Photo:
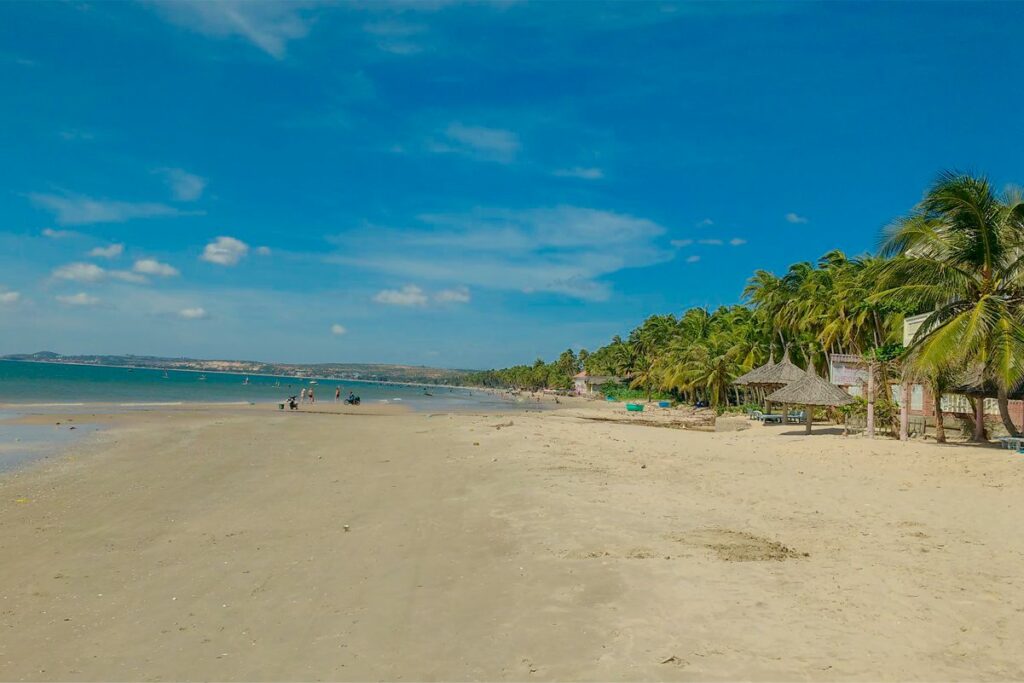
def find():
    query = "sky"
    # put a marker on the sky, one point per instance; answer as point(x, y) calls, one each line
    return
point(462, 185)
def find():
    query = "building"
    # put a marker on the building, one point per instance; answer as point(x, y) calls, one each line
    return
point(588, 385)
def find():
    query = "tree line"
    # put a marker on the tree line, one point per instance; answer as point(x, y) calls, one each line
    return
point(958, 255)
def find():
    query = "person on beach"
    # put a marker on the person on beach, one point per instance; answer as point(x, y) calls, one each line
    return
point(312, 399)
point(302, 395)
point(337, 394)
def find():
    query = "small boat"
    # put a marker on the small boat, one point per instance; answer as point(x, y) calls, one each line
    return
point(427, 393)
point(165, 375)
point(245, 382)
point(312, 381)
point(277, 384)
point(202, 378)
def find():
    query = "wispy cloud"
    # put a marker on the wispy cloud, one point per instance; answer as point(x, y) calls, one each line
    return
point(267, 24)
point(225, 251)
point(109, 252)
point(148, 266)
point(74, 209)
point(710, 242)
point(396, 37)
point(579, 172)
point(564, 250)
point(707, 222)
point(8, 297)
point(59, 234)
point(76, 135)
point(681, 243)
point(457, 295)
point(338, 330)
point(196, 313)
point(487, 144)
point(185, 186)
point(737, 241)
point(410, 295)
point(80, 299)
point(692, 259)
point(795, 218)
point(90, 272)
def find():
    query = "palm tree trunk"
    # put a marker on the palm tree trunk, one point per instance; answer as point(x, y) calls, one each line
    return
point(1004, 412)
point(940, 428)
point(979, 419)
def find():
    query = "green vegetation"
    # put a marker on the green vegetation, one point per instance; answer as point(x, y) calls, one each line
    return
point(959, 255)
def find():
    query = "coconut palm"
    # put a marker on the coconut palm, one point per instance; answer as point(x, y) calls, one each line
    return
point(960, 255)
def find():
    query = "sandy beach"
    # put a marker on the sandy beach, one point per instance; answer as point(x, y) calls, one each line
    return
point(251, 544)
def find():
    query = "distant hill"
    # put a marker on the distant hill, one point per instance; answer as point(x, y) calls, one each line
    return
point(365, 371)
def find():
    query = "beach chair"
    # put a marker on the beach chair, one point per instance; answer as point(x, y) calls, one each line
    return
point(756, 414)
point(772, 418)
point(798, 417)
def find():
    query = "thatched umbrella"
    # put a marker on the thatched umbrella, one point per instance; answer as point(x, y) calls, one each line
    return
point(811, 390)
point(771, 376)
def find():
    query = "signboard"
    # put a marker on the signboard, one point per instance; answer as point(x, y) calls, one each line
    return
point(846, 370)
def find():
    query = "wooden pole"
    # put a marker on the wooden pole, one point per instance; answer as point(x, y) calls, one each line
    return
point(904, 411)
point(809, 418)
point(871, 400)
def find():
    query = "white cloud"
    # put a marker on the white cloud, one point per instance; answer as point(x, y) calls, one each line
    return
point(410, 295)
point(396, 37)
point(127, 276)
point(564, 250)
point(338, 330)
point(457, 295)
point(707, 222)
point(58, 234)
point(186, 187)
point(692, 259)
point(681, 243)
point(111, 251)
point(80, 299)
point(196, 313)
point(795, 218)
point(74, 134)
point(90, 272)
point(263, 251)
point(7, 297)
point(268, 24)
point(579, 172)
point(225, 251)
point(148, 266)
point(737, 241)
point(74, 209)
point(80, 272)
point(711, 242)
point(488, 144)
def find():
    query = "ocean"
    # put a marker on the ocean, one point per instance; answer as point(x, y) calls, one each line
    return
point(56, 384)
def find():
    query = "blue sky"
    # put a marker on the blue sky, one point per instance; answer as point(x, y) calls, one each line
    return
point(461, 185)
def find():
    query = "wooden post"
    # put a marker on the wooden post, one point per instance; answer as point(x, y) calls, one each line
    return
point(979, 418)
point(809, 418)
point(871, 400)
point(904, 411)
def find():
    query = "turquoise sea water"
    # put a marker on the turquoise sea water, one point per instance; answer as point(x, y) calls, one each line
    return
point(56, 383)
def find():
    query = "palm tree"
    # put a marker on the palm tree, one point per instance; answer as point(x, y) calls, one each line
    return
point(960, 255)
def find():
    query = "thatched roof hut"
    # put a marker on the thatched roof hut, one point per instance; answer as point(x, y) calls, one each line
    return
point(811, 390)
point(771, 375)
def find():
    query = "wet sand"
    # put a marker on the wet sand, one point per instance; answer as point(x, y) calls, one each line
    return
point(251, 544)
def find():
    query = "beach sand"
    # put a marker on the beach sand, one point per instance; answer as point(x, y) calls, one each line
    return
point(250, 544)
